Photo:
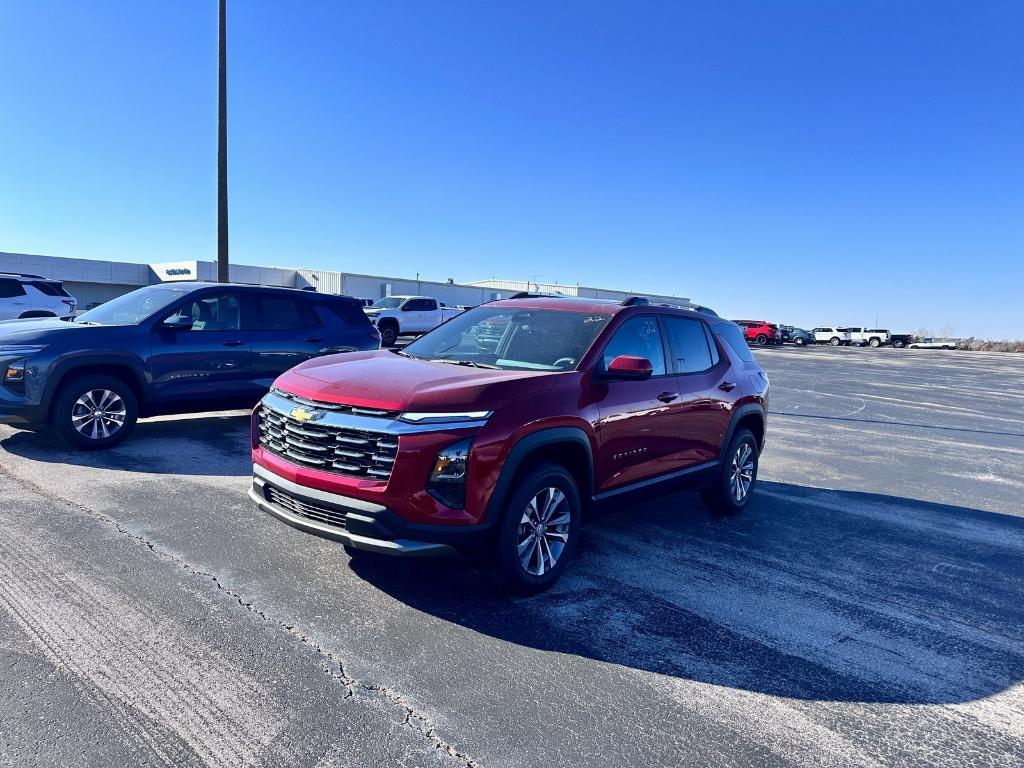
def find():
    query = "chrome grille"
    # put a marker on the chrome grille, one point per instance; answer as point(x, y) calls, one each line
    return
point(310, 511)
point(346, 451)
point(356, 410)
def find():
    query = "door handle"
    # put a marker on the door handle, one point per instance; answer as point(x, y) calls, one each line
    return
point(314, 339)
point(668, 397)
point(233, 343)
point(727, 386)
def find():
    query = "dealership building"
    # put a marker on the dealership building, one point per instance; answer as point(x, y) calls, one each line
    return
point(94, 282)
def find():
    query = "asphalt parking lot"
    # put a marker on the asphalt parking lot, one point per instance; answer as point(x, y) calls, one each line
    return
point(865, 610)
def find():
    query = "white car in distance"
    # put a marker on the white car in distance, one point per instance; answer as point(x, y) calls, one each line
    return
point(23, 296)
point(833, 336)
point(397, 316)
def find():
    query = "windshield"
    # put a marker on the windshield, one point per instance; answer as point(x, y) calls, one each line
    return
point(388, 302)
point(512, 339)
point(134, 307)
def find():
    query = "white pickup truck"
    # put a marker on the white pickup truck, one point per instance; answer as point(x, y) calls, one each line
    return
point(873, 337)
point(396, 316)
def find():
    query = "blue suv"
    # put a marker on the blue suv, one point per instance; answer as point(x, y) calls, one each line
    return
point(172, 348)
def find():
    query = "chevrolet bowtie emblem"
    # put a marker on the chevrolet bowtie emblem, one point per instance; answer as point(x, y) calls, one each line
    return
point(301, 414)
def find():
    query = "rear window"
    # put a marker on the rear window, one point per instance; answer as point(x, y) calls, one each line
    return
point(733, 336)
point(50, 289)
point(349, 311)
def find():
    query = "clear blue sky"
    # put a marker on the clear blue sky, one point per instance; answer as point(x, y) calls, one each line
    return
point(808, 162)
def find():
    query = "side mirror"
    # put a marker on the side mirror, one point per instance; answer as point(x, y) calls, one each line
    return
point(628, 368)
point(178, 323)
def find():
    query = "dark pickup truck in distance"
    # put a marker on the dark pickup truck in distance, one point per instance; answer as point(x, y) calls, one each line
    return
point(171, 348)
point(496, 433)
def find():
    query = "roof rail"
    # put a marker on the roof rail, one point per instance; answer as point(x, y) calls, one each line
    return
point(23, 274)
point(634, 301)
point(533, 295)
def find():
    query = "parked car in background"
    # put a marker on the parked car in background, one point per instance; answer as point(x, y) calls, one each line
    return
point(900, 340)
point(170, 348)
point(760, 332)
point(930, 343)
point(830, 335)
point(872, 337)
point(500, 451)
point(396, 316)
point(793, 335)
point(24, 296)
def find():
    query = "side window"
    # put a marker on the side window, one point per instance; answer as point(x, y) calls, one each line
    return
point(419, 305)
point(638, 336)
point(689, 346)
point(733, 336)
point(9, 289)
point(711, 345)
point(429, 304)
point(280, 313)
point(218, 312)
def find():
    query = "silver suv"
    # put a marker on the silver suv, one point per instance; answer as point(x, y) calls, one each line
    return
point(33, 296)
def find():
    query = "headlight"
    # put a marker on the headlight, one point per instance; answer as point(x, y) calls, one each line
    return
point(14, 376)
point(444, 418)
point(447, 482)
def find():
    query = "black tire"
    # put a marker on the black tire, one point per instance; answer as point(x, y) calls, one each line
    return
point(388, 334)
point(799, 341)
point(719, 497)
point(835, 341)
point(875, 343)
point(510, 572)
point(899, 344)
point(118, 420)
point(761, 340)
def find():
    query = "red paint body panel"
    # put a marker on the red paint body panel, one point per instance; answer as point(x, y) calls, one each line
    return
point(634, 436)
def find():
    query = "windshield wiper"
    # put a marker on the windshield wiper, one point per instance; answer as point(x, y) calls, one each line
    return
point(472, 363)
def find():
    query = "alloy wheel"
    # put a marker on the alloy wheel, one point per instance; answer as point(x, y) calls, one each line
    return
point(741, 473)
point(99, 414)
point(543, 531)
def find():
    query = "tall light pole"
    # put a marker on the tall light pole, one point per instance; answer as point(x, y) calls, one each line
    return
point(222, 145)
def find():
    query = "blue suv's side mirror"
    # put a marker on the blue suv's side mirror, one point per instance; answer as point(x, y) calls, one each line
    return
point(178, 323)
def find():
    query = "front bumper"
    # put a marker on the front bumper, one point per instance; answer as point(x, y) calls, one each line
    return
point(20, 413)
point(357, 523)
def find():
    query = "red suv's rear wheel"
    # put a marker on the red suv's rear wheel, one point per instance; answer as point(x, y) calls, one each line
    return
point(737, 476)
point(539, 530)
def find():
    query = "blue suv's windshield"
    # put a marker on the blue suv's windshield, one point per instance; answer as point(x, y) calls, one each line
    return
point(134, 307)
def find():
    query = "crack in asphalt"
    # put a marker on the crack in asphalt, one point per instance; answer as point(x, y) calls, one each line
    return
point(335, 666)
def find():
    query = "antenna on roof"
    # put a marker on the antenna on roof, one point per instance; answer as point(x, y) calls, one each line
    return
point(634, 301)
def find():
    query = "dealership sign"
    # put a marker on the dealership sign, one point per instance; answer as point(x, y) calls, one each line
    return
point(176, 270)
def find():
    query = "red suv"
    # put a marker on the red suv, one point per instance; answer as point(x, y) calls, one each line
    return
point(761, 332)
point(498, 432)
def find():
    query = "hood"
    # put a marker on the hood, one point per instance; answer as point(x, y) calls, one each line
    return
point(39, 330)
point(395, 383)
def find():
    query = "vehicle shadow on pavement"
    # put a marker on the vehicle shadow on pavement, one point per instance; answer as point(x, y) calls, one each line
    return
point(809, 594)
point(206, 444)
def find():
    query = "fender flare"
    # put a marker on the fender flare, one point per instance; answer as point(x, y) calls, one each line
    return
point(522, 450)
point(63, 368)
point(740, 413)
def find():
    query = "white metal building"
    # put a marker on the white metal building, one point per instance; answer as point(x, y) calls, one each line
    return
point(92, 281)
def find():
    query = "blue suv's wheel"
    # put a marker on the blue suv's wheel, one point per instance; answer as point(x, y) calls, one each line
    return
point(95, 412)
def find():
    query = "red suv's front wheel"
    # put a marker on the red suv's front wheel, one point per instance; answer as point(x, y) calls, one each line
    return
point(539, 530)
